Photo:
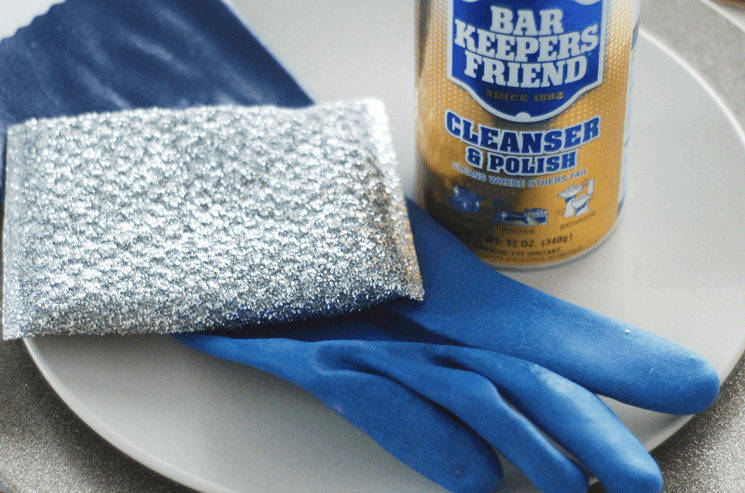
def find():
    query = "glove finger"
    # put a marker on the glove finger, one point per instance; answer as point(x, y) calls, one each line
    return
point(472, 304)
point(478, 403)
point(576, 418)
point(418, 432)
point(573, 416)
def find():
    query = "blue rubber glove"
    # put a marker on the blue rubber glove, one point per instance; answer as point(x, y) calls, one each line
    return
point(478, 364)
point(108, 55)
point(99, 55)
point(469, 303)
point(386, 386)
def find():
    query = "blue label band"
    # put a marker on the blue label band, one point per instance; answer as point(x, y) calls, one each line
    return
point(527, 60)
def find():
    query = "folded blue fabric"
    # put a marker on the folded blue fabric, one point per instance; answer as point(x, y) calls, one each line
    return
point(484, 362)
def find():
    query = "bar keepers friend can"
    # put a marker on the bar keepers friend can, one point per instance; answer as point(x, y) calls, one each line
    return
point(522, 127)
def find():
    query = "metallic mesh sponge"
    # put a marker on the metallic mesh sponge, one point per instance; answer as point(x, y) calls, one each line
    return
point(161, 221)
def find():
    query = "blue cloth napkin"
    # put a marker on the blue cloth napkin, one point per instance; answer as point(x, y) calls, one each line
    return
point(484, 363)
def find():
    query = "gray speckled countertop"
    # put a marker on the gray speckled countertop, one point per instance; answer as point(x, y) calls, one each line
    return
point(44, 447)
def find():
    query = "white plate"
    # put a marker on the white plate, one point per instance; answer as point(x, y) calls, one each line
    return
point(674, 266)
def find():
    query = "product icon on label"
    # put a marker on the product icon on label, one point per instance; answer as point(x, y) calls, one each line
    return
point(576, 204)
point(528, 217)
point(465, 201)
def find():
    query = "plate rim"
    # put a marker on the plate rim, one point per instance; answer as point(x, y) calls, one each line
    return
point(117, 440)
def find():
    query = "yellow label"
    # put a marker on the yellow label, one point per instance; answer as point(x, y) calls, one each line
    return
point(522, 122)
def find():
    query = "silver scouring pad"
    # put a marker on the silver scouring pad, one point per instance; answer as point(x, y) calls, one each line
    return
point(162, 221)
